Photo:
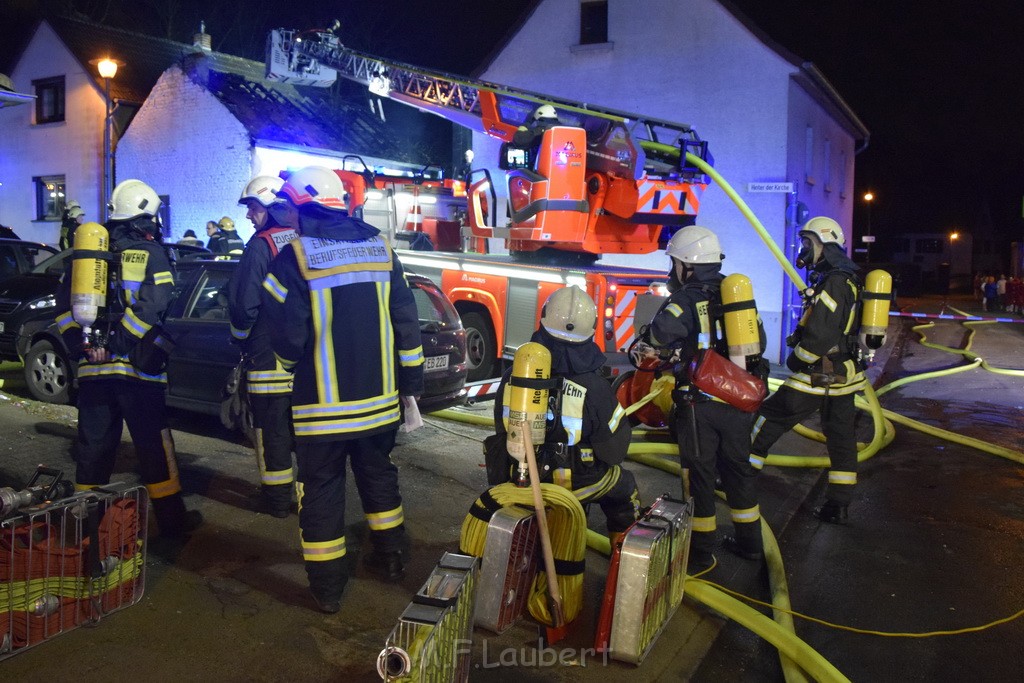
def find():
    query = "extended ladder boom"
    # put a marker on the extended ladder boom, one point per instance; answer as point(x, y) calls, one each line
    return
point(318, 57)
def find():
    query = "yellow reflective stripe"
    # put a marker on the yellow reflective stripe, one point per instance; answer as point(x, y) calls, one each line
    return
point(239, 334)
point(386, 332)
point(756, 461)
point(704, 524)
point(275, 288)
point(163, 278)
point(117, 367)
point(65, 321)
point(600, 487)
point(86, 487)
point(562, 476)
point(163, 489)
point(309, 428)
point(321, 303)
point(620, 412)
point(674, 309)
point(828, 301)
point(746, 515)
point(805, 355)
point(133, 324)
point(308, 410)
point(379, 521)
point(277, 478)
point(322, 551)
point(411, 358)
point(801, 381)
point(285, 363)
point(836, 477)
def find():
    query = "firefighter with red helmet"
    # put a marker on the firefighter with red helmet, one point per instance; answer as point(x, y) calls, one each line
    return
point(587, 435)
point(269, 384)
point(343, 320)
point(122, 377)
point(826, 370)
point(712, 434)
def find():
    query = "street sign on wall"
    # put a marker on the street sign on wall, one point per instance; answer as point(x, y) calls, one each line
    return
point(769, 187)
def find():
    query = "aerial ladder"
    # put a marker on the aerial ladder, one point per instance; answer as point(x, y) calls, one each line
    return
point(601, 181)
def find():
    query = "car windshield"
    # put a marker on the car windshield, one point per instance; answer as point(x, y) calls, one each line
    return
point(58, 259)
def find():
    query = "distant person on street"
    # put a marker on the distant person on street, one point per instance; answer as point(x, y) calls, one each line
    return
point(1001, 292)
point(343, 319)
point(189, 239)
point(825, 366)
point(73, 217)
point(990, 289)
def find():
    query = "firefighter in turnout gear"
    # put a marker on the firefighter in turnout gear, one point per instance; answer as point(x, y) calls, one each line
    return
point(343, 319)
point(225, 240)
point(712, 435)
point(122, 376)
point(826, 371)
point(587, 434)
point(269, 384)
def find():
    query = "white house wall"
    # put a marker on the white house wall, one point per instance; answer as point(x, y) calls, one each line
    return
point(185, 144)
point(72, 148)
point(688, 61)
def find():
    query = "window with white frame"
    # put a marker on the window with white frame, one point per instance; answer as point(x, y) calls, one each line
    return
point(50, 197)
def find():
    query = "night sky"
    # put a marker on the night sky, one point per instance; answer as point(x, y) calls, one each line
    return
point(938, 84)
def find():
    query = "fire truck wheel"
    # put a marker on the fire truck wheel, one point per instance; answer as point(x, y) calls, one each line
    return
point(480, 347)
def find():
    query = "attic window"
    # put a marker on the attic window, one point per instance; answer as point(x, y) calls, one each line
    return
point(49, 99)
point(593, 22)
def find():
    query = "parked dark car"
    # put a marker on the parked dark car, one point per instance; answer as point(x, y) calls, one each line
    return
point(21, 256)
point(198, 321)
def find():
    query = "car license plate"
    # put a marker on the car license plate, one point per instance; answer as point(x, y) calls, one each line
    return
point(434, 363)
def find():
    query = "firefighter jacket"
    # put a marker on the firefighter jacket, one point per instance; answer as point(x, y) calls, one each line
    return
point(686, 319)
point(827, 330)
point(251, 329)
point(342, 317)
point(225, 242)
point(585, 419)
point(141, 290)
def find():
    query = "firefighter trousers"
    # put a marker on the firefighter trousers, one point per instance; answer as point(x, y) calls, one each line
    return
point(610, 486)
point(718, 442)
point(272, 414)
point(104, 407)
point(322, 477)
point(786, 408)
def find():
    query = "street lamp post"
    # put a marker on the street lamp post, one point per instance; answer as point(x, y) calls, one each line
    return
point(868, 198)
point(107, 69)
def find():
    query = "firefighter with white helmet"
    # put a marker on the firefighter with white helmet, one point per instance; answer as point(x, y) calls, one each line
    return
point(269, 384)
point(121, 375)
point(712, 435)
point(343, 320)
point(826, 369)
point(586, 435)
point(72, 218)
point(528, 136)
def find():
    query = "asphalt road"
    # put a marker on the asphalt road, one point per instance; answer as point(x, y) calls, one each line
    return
point(935, 542)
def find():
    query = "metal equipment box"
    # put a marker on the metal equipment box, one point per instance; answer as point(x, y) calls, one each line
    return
point(509, 568)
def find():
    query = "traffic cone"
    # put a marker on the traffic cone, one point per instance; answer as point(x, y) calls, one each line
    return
point(414, 219)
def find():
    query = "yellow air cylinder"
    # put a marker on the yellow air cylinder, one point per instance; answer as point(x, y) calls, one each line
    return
point(874, 318)
point(528, 402)
point(740, 315)
point(88, 274)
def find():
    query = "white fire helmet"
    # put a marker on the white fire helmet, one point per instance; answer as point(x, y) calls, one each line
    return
point(826, 231)
point(263, 189)
point(569, 314)
point(315, 185)
point(695, 244)
point(131, 199)
point(545, 112)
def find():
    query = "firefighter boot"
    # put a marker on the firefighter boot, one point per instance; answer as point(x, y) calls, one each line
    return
point(832, 512)
point(327, 581)
point(389, 564)
point(701, 556)
point(275, 500)
point(172, 519)
point(746, 542)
